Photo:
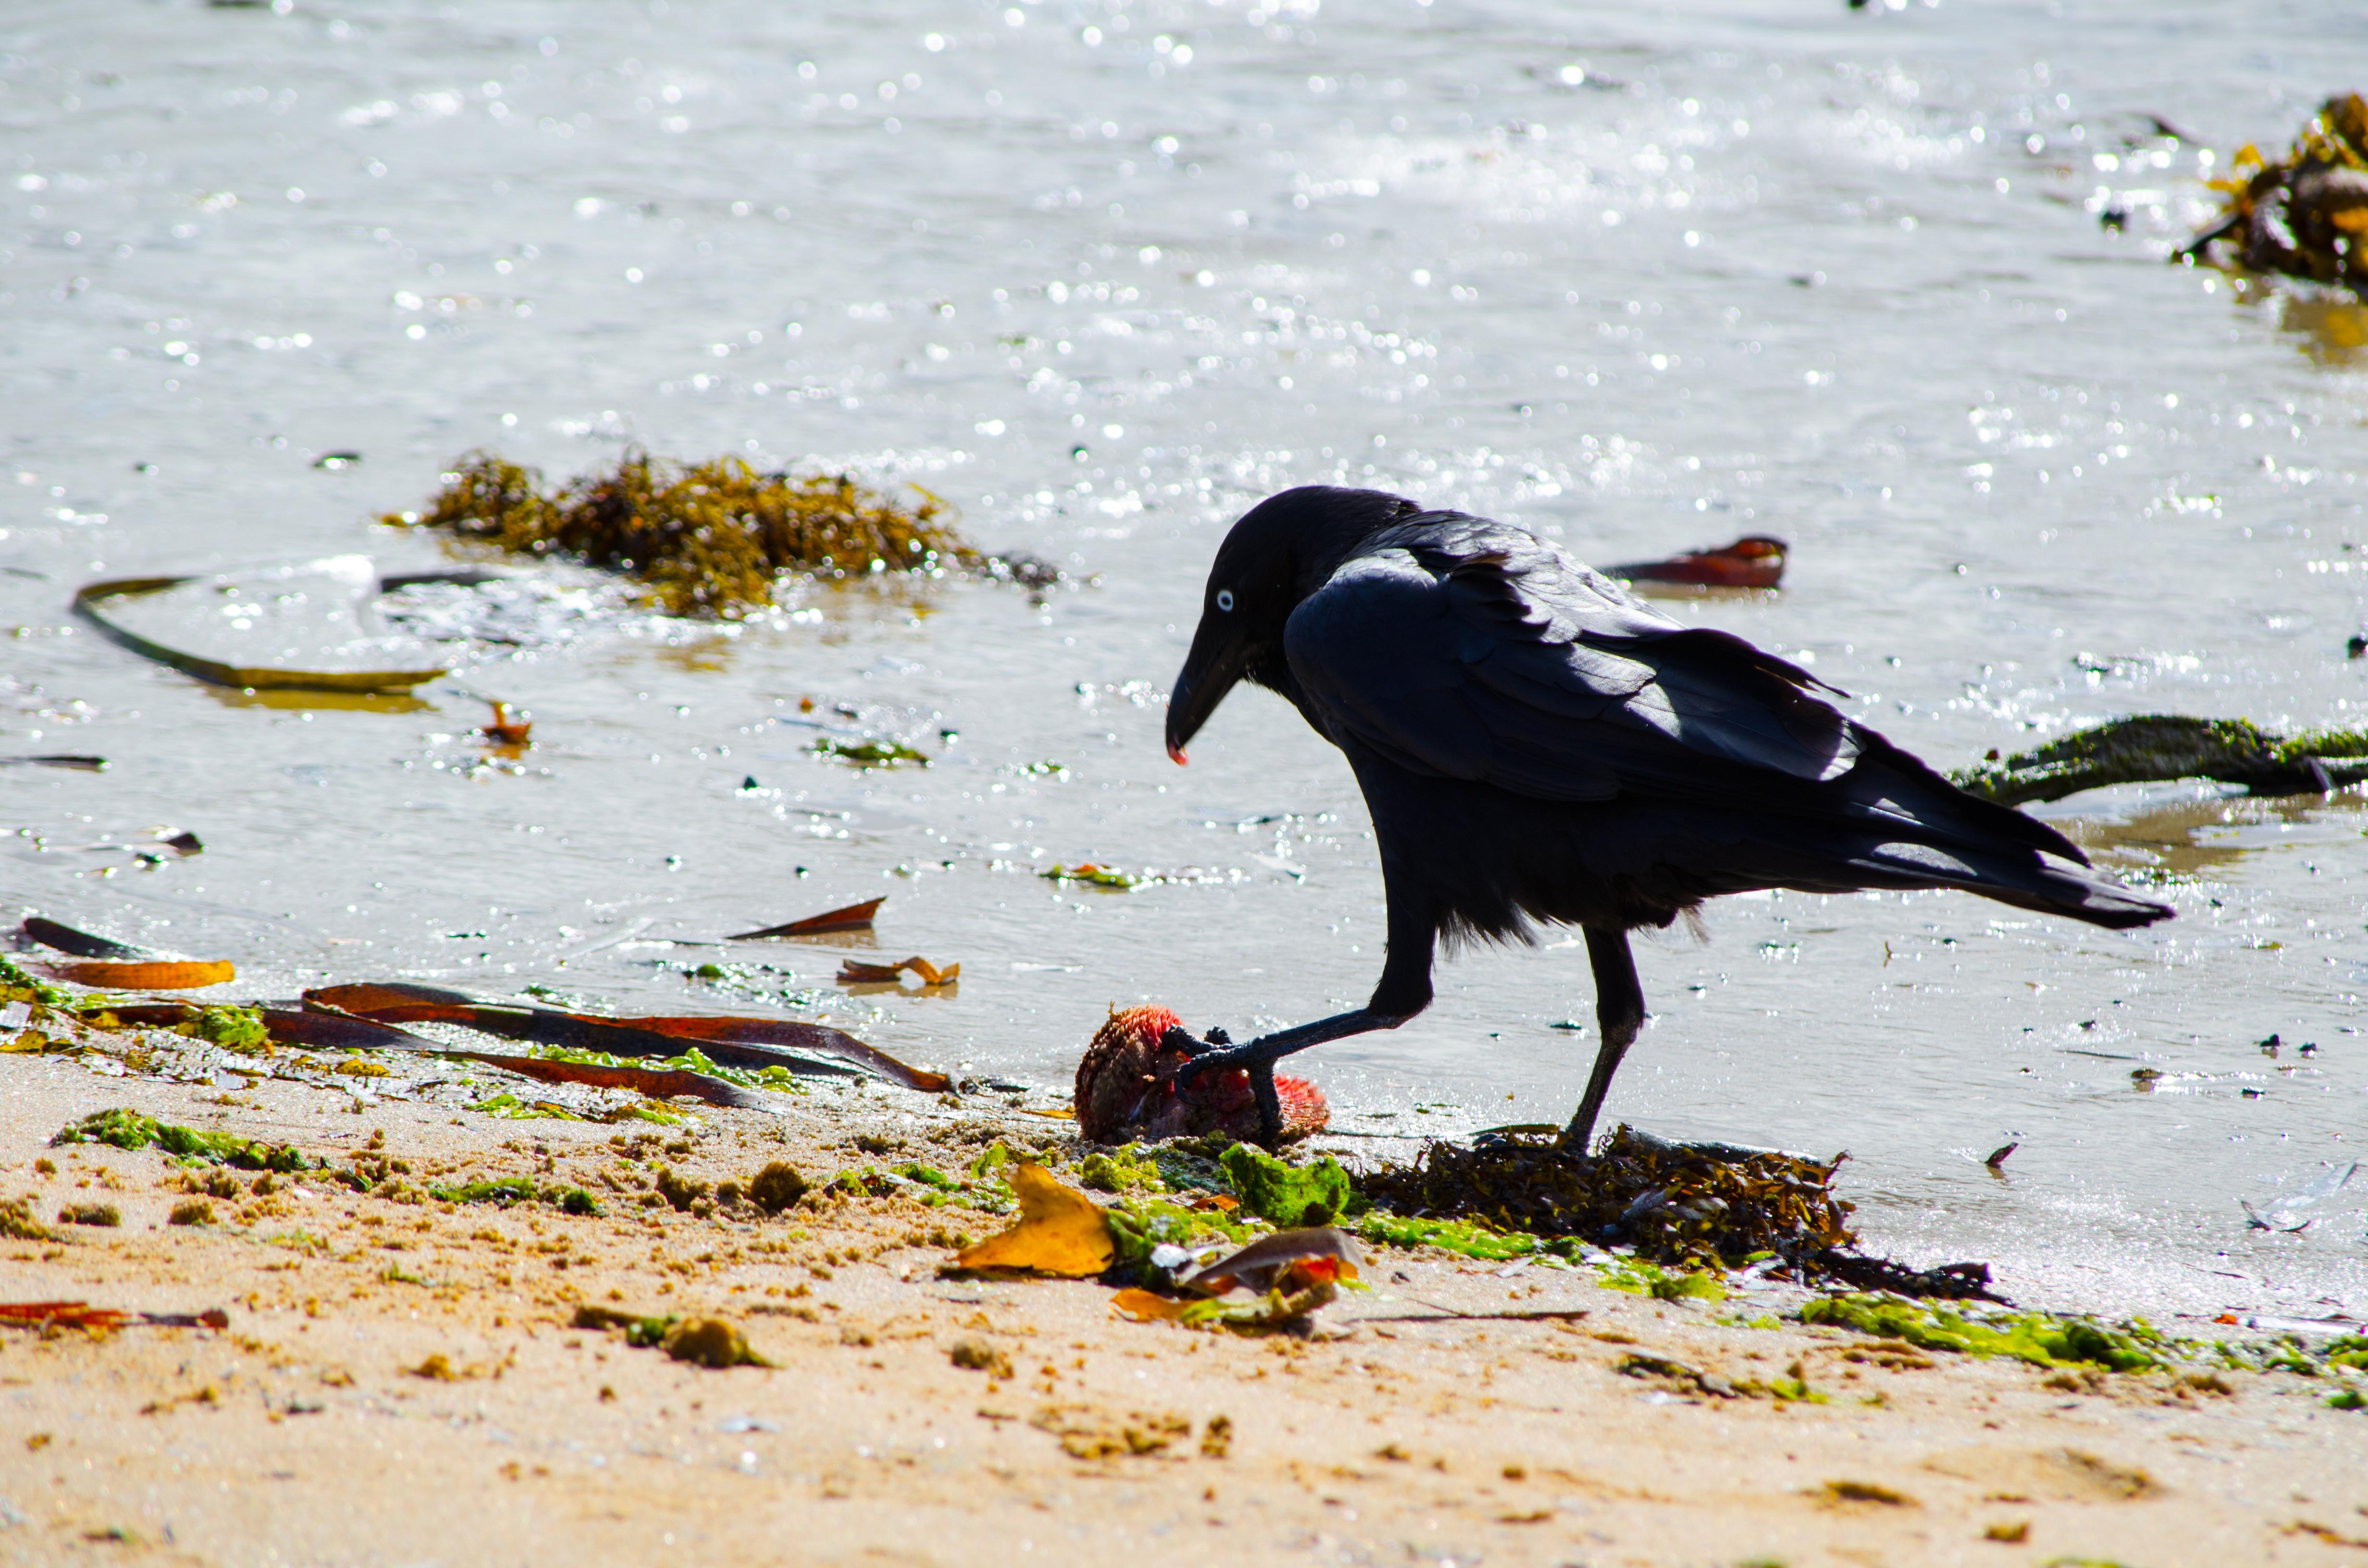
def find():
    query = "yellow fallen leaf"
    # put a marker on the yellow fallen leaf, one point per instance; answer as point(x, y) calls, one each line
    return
point(1061, 1230)
point(1145, 1306)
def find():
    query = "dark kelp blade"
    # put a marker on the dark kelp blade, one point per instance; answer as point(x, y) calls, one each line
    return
point(91, 595)
point(854, 917)
point(817, 1040)
point(337, 1031)
point(366, 996)
point(83, 944)
point(323, 1031)
point(340, 1031)
point(730, 1042)
point(654, 1083)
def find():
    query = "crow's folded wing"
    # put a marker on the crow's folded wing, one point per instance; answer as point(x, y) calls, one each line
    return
point(1465, 650)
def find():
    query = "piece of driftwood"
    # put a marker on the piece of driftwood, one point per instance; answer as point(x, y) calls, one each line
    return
point(2159, 746)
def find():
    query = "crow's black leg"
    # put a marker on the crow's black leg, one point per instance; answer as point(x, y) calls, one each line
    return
point(1618, 1014)
point(1404, 991)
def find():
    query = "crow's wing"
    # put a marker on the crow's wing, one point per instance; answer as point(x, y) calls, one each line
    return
point(1458, 648)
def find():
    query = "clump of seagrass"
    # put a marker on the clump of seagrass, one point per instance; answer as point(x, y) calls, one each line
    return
point(2304, 215)
point(1684, 1205)
point(2161, 746)
point(711, 539)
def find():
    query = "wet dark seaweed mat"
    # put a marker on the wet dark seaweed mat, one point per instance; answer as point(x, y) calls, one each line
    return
point(708, 538)
point(1695, 1206)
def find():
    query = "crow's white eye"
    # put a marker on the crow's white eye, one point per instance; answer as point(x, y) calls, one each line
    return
point(1225, 600)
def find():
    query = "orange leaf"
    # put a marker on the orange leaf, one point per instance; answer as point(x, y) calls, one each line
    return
point(1143, 1306)
point(1061, 1230)
point(852, 972)
point(141, 974)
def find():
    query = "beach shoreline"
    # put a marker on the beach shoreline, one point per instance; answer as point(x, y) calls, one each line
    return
point(403, 1379)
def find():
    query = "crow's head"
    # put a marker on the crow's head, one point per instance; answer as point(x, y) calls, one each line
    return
point(1285, 549)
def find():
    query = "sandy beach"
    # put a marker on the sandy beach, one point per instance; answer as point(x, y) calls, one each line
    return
point(402, 1381)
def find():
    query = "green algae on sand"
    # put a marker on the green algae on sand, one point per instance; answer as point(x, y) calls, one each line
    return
point(710, 539)
point(2039, 1339)
point(127, 1128)
point(507, 1191)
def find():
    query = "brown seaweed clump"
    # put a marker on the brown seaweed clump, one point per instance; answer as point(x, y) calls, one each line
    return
point(1688, 1205)
point(2306, 214)
point(711, 539)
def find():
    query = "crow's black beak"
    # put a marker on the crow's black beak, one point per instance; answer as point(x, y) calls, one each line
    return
point(1215, 663)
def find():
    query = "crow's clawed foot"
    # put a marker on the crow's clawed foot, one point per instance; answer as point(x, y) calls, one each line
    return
point(1217, 1053)
point(1180, 1042)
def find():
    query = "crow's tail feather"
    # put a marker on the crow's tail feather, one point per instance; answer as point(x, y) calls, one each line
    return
point(2043, 883)
point(1919, 830)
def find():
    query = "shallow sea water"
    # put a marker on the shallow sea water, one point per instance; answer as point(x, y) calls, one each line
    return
point(1102, 274)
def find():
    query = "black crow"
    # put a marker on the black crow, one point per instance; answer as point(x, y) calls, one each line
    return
point(1536, 744)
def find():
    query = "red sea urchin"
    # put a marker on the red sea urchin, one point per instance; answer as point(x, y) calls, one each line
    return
point(1127, 1089)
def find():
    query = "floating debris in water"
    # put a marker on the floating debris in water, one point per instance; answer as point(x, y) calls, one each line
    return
point(344, 578)
point(2163, 746)
point(77, 763)
point(709, 540)
point(870, 754)
point(1093, 876)
point(1753, 561)
point(852, 972)
point(2304, 215)
point(507, 729)
point(854, 917)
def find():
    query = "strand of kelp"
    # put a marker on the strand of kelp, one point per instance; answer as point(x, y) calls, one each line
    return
point(332, 1031)
point(736, 1042)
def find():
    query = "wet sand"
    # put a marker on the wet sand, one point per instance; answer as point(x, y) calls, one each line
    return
point(321, 1425)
